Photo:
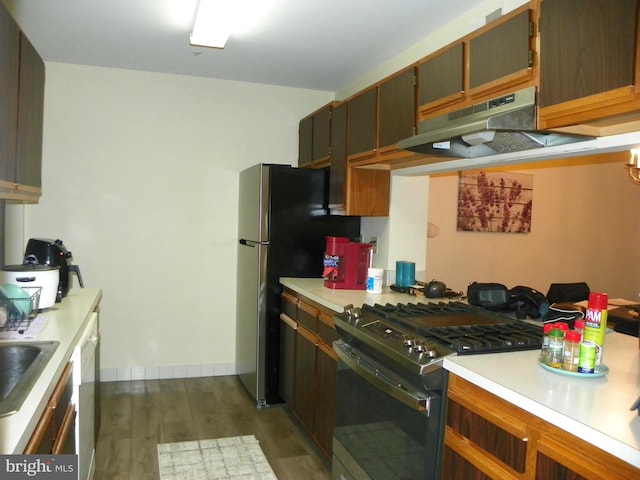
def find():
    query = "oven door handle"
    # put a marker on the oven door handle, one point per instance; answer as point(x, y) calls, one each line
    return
point(391, 386)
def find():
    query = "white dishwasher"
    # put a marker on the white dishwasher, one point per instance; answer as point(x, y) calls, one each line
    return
point(85, 393)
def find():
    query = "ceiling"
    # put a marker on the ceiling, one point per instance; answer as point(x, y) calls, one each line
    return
point(314, 44)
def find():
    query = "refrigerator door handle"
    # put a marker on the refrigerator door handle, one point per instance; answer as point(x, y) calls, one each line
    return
point(251, 243)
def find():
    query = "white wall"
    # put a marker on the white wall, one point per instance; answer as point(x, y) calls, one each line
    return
point(140, 174)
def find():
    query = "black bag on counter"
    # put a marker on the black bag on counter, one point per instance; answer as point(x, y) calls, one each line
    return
point(568, 292)
point(522, 301)
point(488, 295)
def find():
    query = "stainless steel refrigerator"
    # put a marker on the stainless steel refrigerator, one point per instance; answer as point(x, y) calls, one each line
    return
point(283, 222)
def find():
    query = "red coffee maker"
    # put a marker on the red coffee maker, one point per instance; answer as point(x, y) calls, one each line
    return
point(346, 264)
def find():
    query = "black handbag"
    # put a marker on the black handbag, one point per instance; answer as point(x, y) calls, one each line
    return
point(488, 295)
point(568, 292)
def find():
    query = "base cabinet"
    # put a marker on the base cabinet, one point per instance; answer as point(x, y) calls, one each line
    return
point(310, 380)
point(54, 432)
point(487, 437)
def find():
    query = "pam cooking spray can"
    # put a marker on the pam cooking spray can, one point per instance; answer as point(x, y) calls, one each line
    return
point(595, 325)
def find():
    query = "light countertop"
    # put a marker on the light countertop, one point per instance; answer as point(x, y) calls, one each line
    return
point(314, 289)
point(594, 409)
point(65, 322)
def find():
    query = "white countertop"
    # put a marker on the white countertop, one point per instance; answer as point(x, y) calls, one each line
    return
point(65, 321)
point(314, 289)
point(594, 409)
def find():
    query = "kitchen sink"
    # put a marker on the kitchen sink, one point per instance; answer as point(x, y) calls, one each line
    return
point(20, 366)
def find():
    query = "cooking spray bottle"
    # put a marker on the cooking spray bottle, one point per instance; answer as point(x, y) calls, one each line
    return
point(594, 329)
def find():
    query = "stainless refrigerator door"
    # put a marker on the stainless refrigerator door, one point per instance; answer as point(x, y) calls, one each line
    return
point(251, 311)
point(253, 204)
point(251, 319)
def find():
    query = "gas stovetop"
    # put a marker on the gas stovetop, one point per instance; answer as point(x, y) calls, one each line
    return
point(418, 336)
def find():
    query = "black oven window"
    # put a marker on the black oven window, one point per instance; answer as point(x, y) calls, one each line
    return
point(381, 436)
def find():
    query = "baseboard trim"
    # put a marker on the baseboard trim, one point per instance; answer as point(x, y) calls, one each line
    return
point(170, 371)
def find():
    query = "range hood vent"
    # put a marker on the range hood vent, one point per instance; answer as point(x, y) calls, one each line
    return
point(500, 125)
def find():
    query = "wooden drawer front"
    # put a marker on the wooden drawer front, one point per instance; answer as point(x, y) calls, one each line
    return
point(289, 305)
point(457, 467)
point(308, 316)
point(499, 443)
point(326, 330)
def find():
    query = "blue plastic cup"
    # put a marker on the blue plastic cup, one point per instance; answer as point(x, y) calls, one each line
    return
point(405, 273)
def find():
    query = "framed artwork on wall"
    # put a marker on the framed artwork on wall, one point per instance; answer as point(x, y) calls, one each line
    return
point(495, 202)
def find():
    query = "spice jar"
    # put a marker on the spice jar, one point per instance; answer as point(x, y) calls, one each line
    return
point(571, 351)
point(556, 343)
point(544, 351)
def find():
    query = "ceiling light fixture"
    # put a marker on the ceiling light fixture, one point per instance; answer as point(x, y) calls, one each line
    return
point(217, 19)
point(634, 165)
point(212, 25)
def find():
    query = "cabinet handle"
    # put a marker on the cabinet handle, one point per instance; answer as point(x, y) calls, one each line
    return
point(65, 429)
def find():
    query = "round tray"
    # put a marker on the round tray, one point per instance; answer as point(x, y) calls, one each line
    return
point(600, 372)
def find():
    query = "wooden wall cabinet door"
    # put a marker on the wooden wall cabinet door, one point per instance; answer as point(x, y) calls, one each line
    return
point(352, 190)
point(441, 79)
point(9, 63)
point(30, 115)
point(305, 142)
point(338, 172)
point(588, 60)
point(501, 54)
point(362, 124)
point(321, 149)
point(21, 110)
point(397, 109)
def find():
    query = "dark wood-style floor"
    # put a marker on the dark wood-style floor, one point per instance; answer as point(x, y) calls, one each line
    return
point(137, 415)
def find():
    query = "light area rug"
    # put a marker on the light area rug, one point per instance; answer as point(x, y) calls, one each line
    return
point(232, 458)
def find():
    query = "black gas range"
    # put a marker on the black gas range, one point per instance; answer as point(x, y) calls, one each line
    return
point(418, 336)
point(391, 389)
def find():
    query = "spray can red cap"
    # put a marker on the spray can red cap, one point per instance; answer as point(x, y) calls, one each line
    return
point(598, 301)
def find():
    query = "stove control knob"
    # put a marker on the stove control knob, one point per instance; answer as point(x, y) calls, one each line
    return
point(353, 312)
point(430, 352)
point(420, 347)
point(409, 342)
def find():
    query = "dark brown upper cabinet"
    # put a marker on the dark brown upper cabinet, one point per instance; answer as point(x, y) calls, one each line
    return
point(493, 60)
point(397, 109)
point(362, 123)
point(322, 136)
point(338, 173)
point(588, 60)
point(9, 60)
point(354, 191)
point(314, 139)
point(22, 77)
point(30, 115)
point(501, 54)
point(305, 141)
point(441, 78)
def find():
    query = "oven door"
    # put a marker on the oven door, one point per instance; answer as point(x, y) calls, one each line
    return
point(386, 426)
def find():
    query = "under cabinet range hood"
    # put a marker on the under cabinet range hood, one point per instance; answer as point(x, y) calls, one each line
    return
point(497, 126)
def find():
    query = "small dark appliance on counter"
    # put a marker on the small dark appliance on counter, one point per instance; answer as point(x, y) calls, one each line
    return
point(45, 251)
